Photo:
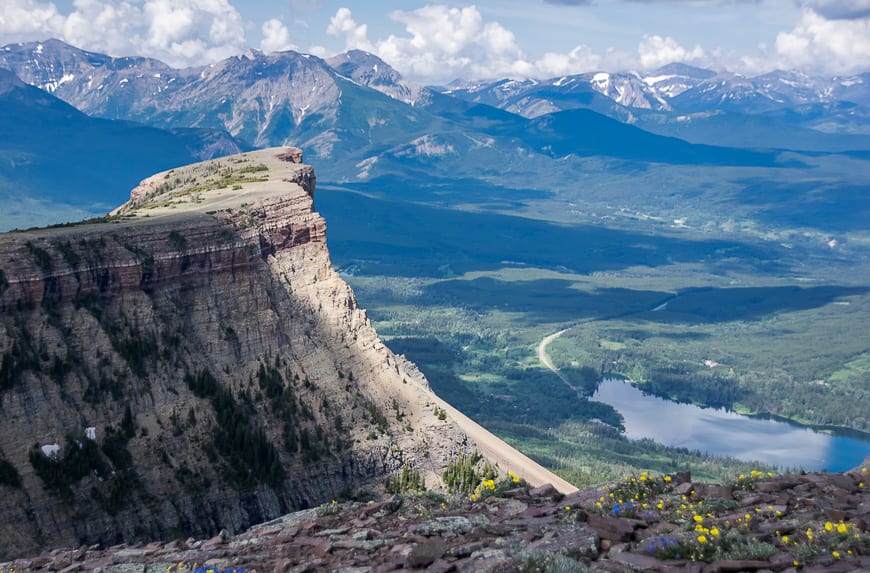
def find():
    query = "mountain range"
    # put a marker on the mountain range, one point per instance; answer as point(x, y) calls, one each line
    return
point(365, 122)
point(270, 99)
point(128, 87)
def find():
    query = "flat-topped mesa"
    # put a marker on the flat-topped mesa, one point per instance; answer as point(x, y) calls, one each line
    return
point(195, 221)
point(194, 363)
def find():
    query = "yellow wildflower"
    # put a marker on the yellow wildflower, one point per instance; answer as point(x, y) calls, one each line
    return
point(842, 528)
point(714, 532)
point(785, 539)
point(668, 478)
point(836, 554)
point(829, 526)
point(702, 539)
point(660, 505)
point(567, 508)
point(698, 519)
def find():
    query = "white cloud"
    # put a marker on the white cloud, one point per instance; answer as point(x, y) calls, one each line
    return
point(838, 45)
point(276, 37)
point(441, 44)
point(580, 59)
point(22, 20)
point(182, 32)
point(355, 35)
point(656, 51)
point(179, 32)
point(102, 26)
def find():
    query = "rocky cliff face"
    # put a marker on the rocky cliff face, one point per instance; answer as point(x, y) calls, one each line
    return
point(193, 363)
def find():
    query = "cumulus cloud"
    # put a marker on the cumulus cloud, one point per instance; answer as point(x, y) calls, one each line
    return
point(185, 31)
point(580, 59)
point(276, 37)
point(441, 43)
point(179, 32)
point(25, 19)
point(102, 26)
point(840, 45)
point(355, 35)
point(656, 51)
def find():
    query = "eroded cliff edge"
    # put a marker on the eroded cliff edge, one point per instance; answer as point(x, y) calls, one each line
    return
point(193, 363)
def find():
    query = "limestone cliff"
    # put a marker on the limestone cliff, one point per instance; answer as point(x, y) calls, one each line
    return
point(193, 363)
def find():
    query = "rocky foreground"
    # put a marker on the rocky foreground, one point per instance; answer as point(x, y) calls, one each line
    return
point(806, 522)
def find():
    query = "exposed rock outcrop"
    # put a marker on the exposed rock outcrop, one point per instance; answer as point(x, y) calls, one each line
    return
point(224, 369)
point(807, 523)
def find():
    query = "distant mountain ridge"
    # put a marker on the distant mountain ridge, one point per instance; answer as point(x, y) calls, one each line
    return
point(677, 88)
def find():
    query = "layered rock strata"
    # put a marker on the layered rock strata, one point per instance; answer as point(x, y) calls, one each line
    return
point(193, 363)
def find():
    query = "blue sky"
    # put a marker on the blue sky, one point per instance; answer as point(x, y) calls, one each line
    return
point(439, 41)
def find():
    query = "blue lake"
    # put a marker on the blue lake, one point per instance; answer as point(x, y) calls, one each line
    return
point(722, 433)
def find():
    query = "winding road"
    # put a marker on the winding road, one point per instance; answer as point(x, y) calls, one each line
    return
point(545, 359)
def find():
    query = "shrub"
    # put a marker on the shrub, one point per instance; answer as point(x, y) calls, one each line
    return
point(464, 475)
point(409, 480)
point(540, 561)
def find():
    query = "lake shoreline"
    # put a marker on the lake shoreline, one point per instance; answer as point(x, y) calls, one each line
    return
point(725, 433)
